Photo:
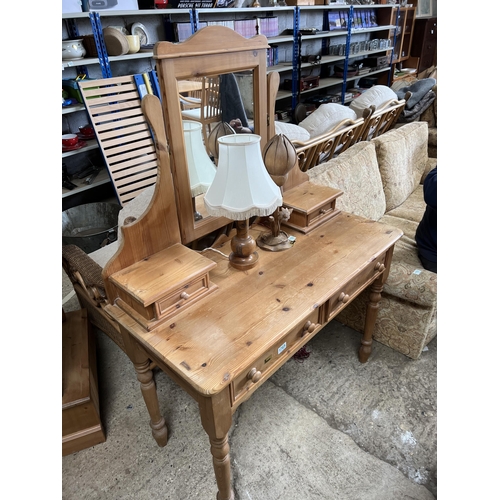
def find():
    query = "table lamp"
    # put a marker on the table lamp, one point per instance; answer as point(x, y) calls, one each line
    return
point(242, 188)
point(200, 167)
point(279, 157)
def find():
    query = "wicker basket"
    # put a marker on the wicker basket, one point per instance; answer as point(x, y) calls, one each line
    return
point(90, 46)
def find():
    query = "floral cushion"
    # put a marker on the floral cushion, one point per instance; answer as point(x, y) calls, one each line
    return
point(402, 159)
point(413, 208)
point(356, 173)
point(408, 227)
point(326, 117)
point(401, 325)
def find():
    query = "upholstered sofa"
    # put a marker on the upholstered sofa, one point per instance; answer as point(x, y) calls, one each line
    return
point(382, 180)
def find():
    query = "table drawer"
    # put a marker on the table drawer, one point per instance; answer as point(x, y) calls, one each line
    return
point(326, 210)
point(249, 379)
point(183, 296)
point(353, 287)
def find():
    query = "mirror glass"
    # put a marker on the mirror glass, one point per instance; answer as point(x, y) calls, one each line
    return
point(206, 104)
point(228, 82)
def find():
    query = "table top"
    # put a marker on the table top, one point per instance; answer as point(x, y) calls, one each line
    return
point(209, 343)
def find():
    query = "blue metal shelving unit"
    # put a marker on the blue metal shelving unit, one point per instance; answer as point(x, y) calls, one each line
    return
point(295, 62)
point(102, 54)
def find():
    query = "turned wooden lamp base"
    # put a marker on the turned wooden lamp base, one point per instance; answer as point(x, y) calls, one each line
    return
point(244, 255)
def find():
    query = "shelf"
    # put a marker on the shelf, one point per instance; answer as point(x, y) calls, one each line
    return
point(92, 144)
point(73, 108)
point(357, 31)
point(367, 75)
point(95, 60)
point(127, 13)
point(102, 178)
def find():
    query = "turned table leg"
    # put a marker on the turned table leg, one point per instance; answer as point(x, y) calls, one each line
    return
point(365, 349)
point(216, 418)
point(142, 365)
point(148, 389)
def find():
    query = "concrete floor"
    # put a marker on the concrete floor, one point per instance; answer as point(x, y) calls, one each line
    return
point(327, 428)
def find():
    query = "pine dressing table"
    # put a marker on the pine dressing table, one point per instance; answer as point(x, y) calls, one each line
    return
point(226, 345)
point(218, 332)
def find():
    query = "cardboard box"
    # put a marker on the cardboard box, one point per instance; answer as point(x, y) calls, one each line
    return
point(71, 6)
point(106, 5)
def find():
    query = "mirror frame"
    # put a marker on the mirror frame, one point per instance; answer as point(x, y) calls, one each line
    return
point(202, 55)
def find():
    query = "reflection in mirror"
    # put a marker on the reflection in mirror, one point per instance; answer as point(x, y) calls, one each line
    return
point(200, 166)
point(222, 103)
point(202, 62)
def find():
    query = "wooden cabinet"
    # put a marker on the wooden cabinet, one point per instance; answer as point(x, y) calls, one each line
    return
point(81, 424)
point(404, 19)
point(424, 45)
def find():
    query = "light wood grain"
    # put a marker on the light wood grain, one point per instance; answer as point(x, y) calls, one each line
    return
point(114, 108)
point(157, 228)
point(224, 332)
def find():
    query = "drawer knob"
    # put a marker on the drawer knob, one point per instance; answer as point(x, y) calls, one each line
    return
point(322, 211)
point(344, 298)
point(184, 295)
point(309, 327)
point(254, 375)
point(380, 267)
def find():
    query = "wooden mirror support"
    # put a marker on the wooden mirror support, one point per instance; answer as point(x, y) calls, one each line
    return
point(152, 275)
point(214, 50)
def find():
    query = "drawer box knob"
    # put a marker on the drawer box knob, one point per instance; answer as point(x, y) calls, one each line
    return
point(344, 298)
point(380, 267)
point(184, 295)
point(309, 328)
point(254, 375)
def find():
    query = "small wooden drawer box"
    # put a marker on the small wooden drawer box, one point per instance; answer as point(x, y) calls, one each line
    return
point(154, 289)
point(312, 205)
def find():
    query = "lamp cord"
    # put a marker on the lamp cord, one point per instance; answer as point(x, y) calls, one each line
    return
point(214, 250)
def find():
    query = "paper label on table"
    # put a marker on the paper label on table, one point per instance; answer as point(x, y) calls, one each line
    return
point(281, 348)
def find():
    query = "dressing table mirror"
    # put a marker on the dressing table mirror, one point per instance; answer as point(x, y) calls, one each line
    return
point(210, 52)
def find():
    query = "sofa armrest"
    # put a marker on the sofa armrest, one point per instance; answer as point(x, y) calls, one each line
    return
point(407, 279)
point(431, 163)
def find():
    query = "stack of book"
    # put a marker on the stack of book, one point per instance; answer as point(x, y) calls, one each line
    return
point(272, 55)
point(362, 18)
point(184, 31)
point(268, 26)
point(247, 27)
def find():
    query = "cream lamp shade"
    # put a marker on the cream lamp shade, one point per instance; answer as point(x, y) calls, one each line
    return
point(201, 168)
point(242, 187)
